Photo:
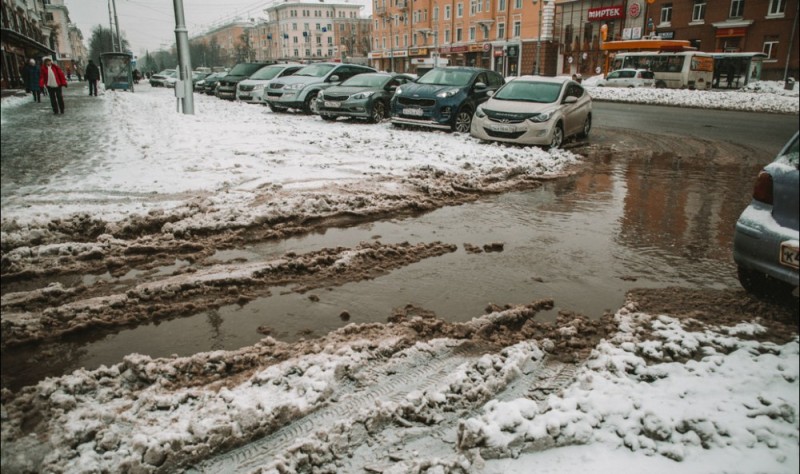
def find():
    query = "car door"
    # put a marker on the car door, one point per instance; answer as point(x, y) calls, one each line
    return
point(480, 95)
point(612, 78)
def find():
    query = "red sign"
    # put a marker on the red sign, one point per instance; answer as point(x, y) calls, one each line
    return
point(634, 10)
point(606, 13)
point(731, 32)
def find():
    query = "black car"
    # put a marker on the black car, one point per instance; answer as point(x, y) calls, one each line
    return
point(445, 97)
point(363, 96)
point(240, 72)
point(209, 84)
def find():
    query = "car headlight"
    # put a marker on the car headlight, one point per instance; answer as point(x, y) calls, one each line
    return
point(398, 91)
point(294, 87)
point(362, 95)
point(479, 112)
point(448, 93)
point(543, 117)
point(258, 87)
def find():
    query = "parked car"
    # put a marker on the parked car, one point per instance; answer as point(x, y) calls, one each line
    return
point(628, 78)
point(535, 110)
point(209, 84)
point(444, 98)
point(299, 91)
point(240, 72)
point(160, 79)
point(364, 96)
point(198, 76)
point(252, 89)
point(765, 240)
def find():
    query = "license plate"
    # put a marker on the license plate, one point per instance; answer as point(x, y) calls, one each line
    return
point(332, 105)
point(245, 97)
point(790, 255)
point(501, 128)
point(415, 112)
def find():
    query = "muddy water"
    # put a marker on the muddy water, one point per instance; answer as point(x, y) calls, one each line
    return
point(582, 241)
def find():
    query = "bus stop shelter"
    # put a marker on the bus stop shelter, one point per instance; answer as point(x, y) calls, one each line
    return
point(117, 71)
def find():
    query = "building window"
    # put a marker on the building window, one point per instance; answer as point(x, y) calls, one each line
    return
point(447, 12)
point(699, 10)
point(459, 35)
point(517, 4)
point(666, 14)
point(472, 33)
point(459, 10)
point(501, 5)
point(517, 27)
point(771, 48)
point(501, 31)
point(447, 36)
point(777, 7)
point(737, 8)
point(436, 13)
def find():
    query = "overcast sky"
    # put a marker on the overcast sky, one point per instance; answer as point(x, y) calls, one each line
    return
point(150, 24)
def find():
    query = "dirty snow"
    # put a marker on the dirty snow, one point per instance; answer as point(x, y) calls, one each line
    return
point(659, 395)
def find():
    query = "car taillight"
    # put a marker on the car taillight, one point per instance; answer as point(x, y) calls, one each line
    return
point(762, 191)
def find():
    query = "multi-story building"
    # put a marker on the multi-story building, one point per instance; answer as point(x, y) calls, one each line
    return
point(229, 37)
point(509, 36)
point(303, 30)
point(24, 35)
point(711, 26)
point(80, 54)
point(57, 17)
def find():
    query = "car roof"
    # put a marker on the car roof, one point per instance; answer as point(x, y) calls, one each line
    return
point(554, 80)
point(463, 68)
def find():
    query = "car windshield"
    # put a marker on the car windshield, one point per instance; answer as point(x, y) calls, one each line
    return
point(199, 75)
point(446, 77)
point(267, 73)
point(245, 69)
point(315, 70)
point(366, 80)
point(528, 91)
point(166, 72)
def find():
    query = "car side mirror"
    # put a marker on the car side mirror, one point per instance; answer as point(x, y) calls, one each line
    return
point(479, 86)
point(570, 99)
point(392, 88)
point(489, 93)
point(334, 78)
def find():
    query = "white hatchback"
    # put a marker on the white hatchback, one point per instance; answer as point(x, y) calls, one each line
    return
point(629, 78)
point(252, 89)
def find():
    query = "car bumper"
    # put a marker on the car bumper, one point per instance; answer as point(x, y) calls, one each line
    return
point(524, 133)
point(757, 244)
point(347, 108)
point(225, 93)
point(289, 100)
point(439, 115)
point(256, 96)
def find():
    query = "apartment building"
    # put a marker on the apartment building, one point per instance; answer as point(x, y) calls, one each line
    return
point(24, 34)
point(509, 36)
point(303, 30)
point(228, 37)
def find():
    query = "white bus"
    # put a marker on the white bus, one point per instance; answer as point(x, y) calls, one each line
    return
point(676, 70)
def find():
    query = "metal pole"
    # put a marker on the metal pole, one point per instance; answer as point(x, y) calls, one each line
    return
point(436, 42)
point(116, 21)
point(789, 52)
point(538, 39)
point(111, 28)
point(391, 45)
point(184, 60)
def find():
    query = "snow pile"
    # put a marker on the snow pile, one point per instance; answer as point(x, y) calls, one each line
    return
point(687, 396)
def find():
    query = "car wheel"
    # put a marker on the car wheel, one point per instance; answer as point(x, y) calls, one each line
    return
point(587, 127)
point(328, 118)
point(378, 112)
point(276, 109)
point(558, 136)
point(310, 104)
point(753, 282)
point(463, 120)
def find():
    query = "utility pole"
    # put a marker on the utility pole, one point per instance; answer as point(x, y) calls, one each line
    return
point(183, 90)
point(111, 28)
point(116, 21)
point(538, 39)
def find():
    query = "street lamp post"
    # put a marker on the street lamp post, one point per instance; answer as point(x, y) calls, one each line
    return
point(425, 32)
point(537, 70)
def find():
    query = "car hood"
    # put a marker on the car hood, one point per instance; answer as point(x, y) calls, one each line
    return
point(425, 90)
point(230, 78)
point(300, 80)
point(513, 109)
point(343, 90)
point(254, 82)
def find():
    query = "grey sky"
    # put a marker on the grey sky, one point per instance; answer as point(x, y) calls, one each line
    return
point(150, 24)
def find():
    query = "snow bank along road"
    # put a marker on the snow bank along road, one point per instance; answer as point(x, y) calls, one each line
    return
point(652, 385)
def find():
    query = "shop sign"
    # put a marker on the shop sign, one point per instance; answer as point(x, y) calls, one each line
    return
point(400, 54)
point(667, 35)
point(606, 13)
point(418, 52)
point(634, 10)
point(498, 51)
point(730, 32)
point(475, 48)
point(458, 49)
point(445, 49)
point(375, 55)
point(512, 51)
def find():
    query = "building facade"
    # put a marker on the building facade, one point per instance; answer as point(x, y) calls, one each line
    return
point(229, 38)
point(509, 36)
point(302, 30)
point(710, 26)
point(24, 34)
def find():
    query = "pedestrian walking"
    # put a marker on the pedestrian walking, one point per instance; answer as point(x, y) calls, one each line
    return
point(31, 75)
point(79, 73)
point(92, 75)
point(54, 79)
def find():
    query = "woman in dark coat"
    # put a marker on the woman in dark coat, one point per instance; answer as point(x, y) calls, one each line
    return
point(31, 75)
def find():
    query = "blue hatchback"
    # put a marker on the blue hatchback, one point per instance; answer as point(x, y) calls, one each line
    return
point(444, 98)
